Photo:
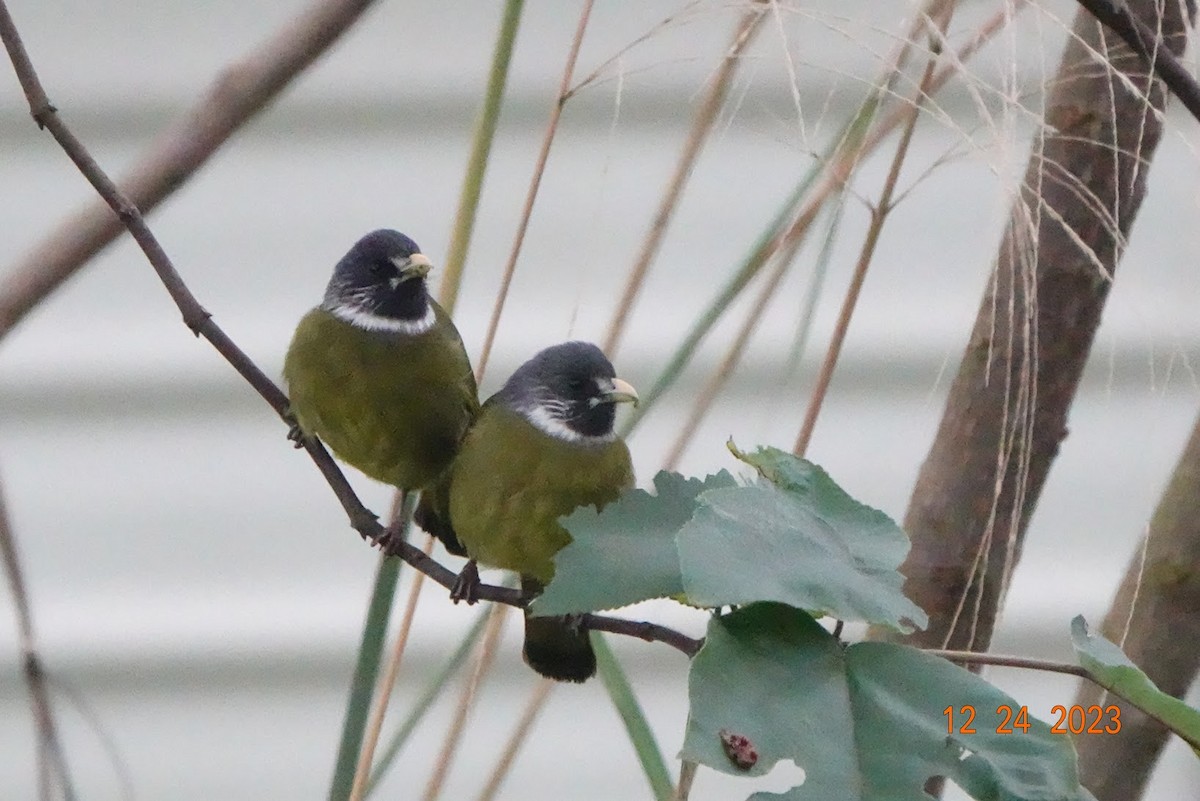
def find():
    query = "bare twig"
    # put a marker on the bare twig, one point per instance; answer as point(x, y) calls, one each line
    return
point(52, 762)
point(239, 92)
point(201, 323)
point(879, 216)
point(1005, 660)
point(706, 114)
point(539, 169)
point(537, 700)
point(1144, 41)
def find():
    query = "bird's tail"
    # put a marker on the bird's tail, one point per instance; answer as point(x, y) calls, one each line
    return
point(433, 515)
point(556, 647)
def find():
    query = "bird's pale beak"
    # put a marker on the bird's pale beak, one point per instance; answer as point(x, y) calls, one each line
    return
point(621, 392)
point(415, 266)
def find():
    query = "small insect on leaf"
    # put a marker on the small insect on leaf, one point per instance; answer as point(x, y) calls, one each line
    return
point(739, 749)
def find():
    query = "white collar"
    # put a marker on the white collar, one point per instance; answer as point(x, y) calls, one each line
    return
point(369, 321)
point(541, 418)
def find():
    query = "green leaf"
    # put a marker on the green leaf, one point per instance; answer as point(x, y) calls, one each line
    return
point(799, 539)
point(866, 723)
point(625, 553)
point(1111, 669)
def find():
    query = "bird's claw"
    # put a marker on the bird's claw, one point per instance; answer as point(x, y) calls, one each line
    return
point(574, 621)
point(466, 586)
point(295, 434)
point(389, 541)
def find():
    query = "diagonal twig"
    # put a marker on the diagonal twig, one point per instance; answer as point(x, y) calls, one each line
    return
point(237, 94)
point(1115, 16)
point(201, 323)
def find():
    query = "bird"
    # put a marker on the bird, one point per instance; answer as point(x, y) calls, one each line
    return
point(542, 446)
point(378, 372)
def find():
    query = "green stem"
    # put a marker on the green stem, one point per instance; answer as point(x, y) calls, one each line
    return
point(750, 267)
point(849, 139)
point(366, 669)
point(370, 651)
point(432, 690)
point(636, 725)
point(481, 147)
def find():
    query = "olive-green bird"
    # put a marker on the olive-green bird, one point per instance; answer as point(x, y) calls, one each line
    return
point(378, 372)
point(540, 447)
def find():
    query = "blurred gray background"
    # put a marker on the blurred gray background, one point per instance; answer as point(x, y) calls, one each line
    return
point(193, 580)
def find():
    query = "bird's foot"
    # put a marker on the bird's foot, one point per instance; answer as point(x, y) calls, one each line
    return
point(390, 539)
point(295, 435)
point(466, 586)
point(575, 621)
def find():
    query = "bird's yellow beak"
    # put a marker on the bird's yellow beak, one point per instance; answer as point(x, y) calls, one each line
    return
point(415, 266)
point(621, 392)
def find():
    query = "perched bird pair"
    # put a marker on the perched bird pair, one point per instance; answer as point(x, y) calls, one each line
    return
point(379, 373)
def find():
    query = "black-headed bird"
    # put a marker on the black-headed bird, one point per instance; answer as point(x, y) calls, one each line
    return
point(541, 447)
point(378, 372)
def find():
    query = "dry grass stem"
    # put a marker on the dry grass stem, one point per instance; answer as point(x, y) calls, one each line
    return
point(487, 656)
point(52, 762)
point(539, 169)
point(687, 775)
point(879, 216)
point(702, 123)
point(367, 755)
point(537, 700)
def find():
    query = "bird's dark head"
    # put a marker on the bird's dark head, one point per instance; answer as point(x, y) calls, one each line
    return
point(568, 391)
point(380, 285)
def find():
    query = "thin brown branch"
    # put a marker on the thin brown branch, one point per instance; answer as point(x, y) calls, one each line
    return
point(198, 320)
point(702, 123)
point(1005, 660)
point(878, 217)
point(1145, 42)
point(237, 94)
point(52, 762)
point(510, 267)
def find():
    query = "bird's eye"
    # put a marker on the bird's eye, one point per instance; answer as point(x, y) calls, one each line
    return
point(376, 268)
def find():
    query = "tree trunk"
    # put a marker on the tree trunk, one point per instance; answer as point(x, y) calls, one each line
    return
point(1006, 414)
point(1163, 634)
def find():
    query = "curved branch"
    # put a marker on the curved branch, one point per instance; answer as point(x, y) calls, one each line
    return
point(201, 323)
point(237, 94)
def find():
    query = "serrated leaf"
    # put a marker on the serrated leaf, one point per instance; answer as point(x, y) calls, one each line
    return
point(799, 539)
point(625, 553)
point(1113, 670)
point(866, 723)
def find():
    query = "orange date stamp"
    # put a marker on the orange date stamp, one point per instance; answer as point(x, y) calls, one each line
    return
point(1074, 719)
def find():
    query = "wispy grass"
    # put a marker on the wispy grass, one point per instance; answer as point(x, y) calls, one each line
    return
point(702, 124)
